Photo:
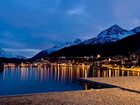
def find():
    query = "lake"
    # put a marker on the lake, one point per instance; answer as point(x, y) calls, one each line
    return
point(25, 80)
point(54, 78)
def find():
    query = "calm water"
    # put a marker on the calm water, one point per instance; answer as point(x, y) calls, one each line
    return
point(22, 80)
point(36, 80)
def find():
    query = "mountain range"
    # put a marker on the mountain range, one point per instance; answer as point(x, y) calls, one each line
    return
point(110, 35)
point(56, 48)
point(124, 46)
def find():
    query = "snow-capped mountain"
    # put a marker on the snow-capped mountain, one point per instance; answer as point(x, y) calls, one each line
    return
point(60, 46)
point(112, 34)
point(136, 30)
point(121, 47)
point(56, 48)
point(6, 54)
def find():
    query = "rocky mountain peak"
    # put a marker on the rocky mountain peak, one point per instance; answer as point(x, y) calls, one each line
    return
point(114, 29)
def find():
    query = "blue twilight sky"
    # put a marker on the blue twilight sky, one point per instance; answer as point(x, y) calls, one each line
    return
point(40, 24)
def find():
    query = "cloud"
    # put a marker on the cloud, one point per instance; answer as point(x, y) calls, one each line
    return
point(28, 53)
point(77, 11)
point(136, 21)
point(40, 24)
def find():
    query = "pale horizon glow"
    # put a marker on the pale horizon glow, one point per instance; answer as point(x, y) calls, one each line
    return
point(28, 53)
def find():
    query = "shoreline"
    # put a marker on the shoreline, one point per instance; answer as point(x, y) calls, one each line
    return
point(106, 96)
point(30, 94)
point(113, 96)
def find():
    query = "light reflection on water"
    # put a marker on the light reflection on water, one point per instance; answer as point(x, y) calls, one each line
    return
point(59, 74)
point(23, 80)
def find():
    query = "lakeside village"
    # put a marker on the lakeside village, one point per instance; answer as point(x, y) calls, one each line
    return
point(129, 65)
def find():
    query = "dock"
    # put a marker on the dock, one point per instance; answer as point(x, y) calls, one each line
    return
point(128, 83)
point(122, 68)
